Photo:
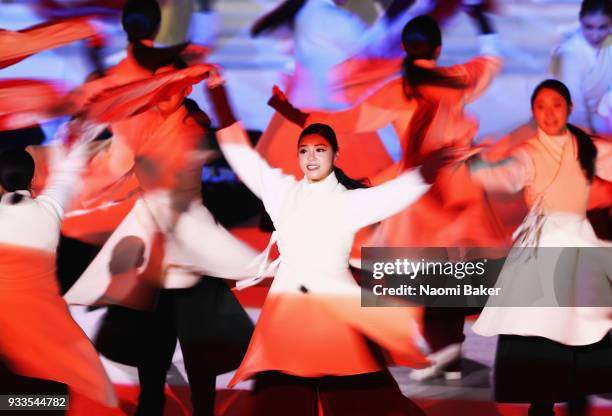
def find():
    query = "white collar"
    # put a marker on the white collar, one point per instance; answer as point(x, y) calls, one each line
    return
point(558, 138)
point(328, 183)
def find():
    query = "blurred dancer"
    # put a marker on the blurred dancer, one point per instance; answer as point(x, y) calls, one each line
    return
point(426, 107)
point(30, 298)
point(173, 239)
point(317, 51)
point(583, 62)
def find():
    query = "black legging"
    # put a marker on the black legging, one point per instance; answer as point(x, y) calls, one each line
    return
point(211, 326)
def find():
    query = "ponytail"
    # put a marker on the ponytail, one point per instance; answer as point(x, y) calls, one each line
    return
point(348, 182)
point(587, 152)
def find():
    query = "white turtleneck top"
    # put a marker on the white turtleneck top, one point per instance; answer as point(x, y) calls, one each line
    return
point(315, 222)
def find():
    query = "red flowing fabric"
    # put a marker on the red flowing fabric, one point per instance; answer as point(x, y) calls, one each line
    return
point(315, 335)
point(16, 46)
point(24, 103)
point(38, 337)
point(111, 176)
point(124, 101)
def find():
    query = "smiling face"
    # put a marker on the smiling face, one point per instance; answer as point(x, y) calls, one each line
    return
point(316, 157)
point(550, 111)
point(596, 27)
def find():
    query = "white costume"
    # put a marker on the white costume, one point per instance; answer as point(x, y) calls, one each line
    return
point(557, 191)
point(38, 337)
point(315, 224)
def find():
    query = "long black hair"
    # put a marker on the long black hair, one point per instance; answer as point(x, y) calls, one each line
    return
point(421, 37)
point(596, 6)
point(283, 15)
point(587, 152)
point(329, 135)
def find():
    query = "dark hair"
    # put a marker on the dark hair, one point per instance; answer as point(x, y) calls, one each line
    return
point(587, 152)
point(596, 6)
point(16, 170)
point(152, 58)
point(421, 37)
point(329, 135)
point(283, 14)
point(141, 19)
point(197, 114)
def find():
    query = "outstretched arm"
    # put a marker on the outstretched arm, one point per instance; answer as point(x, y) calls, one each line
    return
point(67, 166)
point(267, 183)
point(380, 202)
point(509, 175)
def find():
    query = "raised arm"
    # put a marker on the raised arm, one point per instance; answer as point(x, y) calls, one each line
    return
point(66, 168)
point(378, 110)
point(267, 183)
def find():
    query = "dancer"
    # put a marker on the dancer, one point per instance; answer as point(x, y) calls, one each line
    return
point(167, 140)
point(553, 352)
point(426, 107)
point(30, 298)
point(317, 51)
point(313, 297)
point(583, 62)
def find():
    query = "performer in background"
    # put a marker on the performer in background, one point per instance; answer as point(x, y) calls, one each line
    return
point(583, 62)
point(426, 108)
point(555, 346)
point(39, 338)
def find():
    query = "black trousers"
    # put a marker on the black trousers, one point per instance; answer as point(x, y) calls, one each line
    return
point(277, 394)
point(443, 326)
point(213, 331)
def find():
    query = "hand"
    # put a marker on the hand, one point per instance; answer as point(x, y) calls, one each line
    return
point(434, 162)
point(278, 93)
point(195, 54)
point(215, 78)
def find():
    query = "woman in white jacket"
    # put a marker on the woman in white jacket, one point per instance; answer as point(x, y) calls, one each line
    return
point(312, 333)
point(554, 310)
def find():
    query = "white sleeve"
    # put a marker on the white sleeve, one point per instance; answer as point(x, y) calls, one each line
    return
point(509, 175)
point(65, 170)
point(267, 183)
point(370, 205)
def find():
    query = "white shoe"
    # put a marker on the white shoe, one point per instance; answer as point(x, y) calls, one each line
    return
point(439, 360)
